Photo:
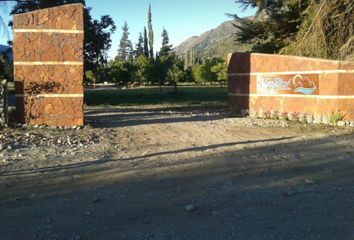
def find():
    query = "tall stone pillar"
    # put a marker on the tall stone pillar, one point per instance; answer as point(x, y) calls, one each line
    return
point(48, 66)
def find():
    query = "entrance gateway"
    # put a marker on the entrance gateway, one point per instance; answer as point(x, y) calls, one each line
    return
point(48, 73)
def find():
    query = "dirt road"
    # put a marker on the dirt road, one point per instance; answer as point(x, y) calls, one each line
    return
point(175, 173)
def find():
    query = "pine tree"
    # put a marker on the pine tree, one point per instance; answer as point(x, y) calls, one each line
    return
point(151, 34)
point(275, 31)
point(146, 46)
point(125, 50)
point(139, 48)
point(166, 47)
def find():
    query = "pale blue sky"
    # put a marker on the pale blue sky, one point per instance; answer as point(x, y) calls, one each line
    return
point(181, 18)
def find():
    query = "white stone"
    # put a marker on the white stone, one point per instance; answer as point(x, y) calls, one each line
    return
point(189, 208)
point(341, 123)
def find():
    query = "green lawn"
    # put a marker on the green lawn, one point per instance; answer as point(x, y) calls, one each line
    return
point(147, 96)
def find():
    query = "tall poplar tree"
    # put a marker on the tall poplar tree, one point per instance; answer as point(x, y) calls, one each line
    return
point(151, 33)
point(146, 46)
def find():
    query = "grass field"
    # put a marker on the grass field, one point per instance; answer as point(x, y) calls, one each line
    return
point(148, 96)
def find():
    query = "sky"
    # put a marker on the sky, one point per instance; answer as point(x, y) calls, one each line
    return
point(181, 18)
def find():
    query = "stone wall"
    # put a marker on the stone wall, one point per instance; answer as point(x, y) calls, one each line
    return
point(264, 83)
point(48, 66)
point(4, 116)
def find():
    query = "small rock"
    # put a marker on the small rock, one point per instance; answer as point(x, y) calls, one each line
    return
point(341, 123)
point(2, 147)
point(33, 195)
point(325, 120)
point(9, 147)
point(309, 181)
point(309, 119)
point(88, 213)
point(290, 193)
point(190, 208)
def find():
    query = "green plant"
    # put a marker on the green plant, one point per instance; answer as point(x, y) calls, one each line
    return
point(267, 115)
point(335, 117)
point(302, 118)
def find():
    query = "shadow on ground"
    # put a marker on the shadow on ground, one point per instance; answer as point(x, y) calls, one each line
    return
point(285, 190)
point(122, 117)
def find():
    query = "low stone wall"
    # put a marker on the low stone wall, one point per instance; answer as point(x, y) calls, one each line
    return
point(48, 66)
point(4, 115)
point(288, 85)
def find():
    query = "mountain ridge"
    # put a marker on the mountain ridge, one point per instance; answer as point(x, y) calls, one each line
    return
point(216, 42)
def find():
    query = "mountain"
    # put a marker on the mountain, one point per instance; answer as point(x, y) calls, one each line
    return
point(217, 42)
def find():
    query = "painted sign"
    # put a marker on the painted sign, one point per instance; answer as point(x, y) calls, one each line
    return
point(306, 84)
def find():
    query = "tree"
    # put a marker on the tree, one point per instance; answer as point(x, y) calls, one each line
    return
point(139, 47)
point(97, 32)
point(166, 48)
point(202, 72)
point(6, 68)
point(198, 73)
point(121, 72)
point(90, 77)
point(176, 72)
point(220, 69)
point(262, 5)
point(142, 64)
point(125, 49)
point(151, 33)
point(275, 29)
point(97, 41)
point(146, 46)
point(166, 57)
point(156, 74)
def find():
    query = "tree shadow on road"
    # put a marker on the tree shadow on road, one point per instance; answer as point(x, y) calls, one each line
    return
point(122, 117)
point(255, 193)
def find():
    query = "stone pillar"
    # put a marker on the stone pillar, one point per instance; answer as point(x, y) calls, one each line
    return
point(48, 66)
point(290, 84)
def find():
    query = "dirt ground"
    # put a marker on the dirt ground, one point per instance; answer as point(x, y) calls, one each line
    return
point(177, 173)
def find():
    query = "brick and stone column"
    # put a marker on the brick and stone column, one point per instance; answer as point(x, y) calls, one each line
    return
point(290, 84)
point(48, 66)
